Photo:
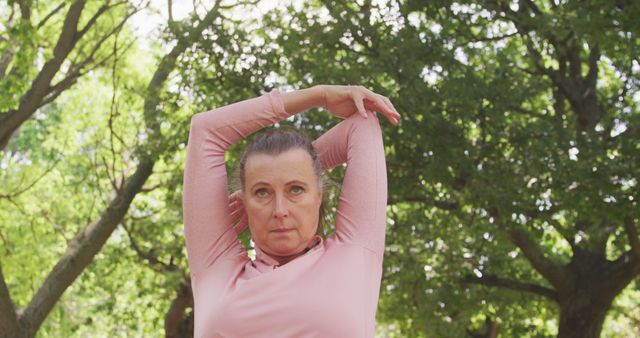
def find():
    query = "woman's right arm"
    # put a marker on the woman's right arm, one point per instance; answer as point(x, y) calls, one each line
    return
point(208, 223)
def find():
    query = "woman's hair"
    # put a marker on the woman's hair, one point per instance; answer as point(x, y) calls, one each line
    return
point(276, 142)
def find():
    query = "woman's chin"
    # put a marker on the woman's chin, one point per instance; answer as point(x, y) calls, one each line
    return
point(284, 251)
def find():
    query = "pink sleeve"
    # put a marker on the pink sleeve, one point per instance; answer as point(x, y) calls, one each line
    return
point(361, 216)
point(208, 228)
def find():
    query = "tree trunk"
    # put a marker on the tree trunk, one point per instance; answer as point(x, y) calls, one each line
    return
point(583, 317)
point(89, 241)
point(176, 323)
point(596, 282)
point(585, 287)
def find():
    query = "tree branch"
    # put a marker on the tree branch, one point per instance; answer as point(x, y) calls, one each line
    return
point(170, 10)
point(491, 280)
point(533, 7)
point(621, 272)
point(537, 58)
point(25, 11)
point(59, 88)
point(90, 240)
point(491, 329)
point(474, 38)
point(55, 225)
point(52, 13)
point(632, 235)
point(572, 52)
point(8, 318)
point(41, 91)
point(30, 101)
point(106, 36)
point(82, 248)
point(95, 17)
point(167, 64)
point(553, 272)
point(570, 86)
point(75, 72)
point(149, 256)
point(5, 60)
point(20, 191)
point(151, 188)
point(592, 75)
point(240, 3)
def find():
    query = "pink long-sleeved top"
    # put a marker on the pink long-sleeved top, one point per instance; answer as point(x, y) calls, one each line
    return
point(331, 290)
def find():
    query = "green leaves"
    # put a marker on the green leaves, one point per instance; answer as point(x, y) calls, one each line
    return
point(490, 139)
point(515, 116)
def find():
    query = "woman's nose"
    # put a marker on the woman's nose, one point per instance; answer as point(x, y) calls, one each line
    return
point(281, 209)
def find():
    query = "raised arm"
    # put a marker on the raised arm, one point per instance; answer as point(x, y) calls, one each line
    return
point(357, 141)
point(208, 230)
point(361, 216)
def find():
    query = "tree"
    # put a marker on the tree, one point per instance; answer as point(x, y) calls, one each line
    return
point(79, 48)
point(90, 239)
point(513, 198)
point(515, 165)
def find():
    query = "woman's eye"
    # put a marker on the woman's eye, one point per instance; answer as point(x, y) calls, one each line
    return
point(262, 192)
point(296, 190)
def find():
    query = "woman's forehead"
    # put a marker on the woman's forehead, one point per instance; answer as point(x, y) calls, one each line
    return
point(294, 164)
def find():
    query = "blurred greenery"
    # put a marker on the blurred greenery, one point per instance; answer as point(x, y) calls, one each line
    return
point(513, 176)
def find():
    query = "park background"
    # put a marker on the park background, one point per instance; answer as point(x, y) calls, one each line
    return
point(513, 175)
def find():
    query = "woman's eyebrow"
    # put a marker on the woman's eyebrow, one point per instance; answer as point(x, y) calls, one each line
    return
point(297, 182)
point(264, 183)
point(258, 183)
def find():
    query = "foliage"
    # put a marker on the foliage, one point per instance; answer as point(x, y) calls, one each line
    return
point(487, 144)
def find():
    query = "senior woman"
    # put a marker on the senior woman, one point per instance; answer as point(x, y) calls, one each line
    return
point(299, 285)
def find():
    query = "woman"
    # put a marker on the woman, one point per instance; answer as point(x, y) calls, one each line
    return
point(299, 285)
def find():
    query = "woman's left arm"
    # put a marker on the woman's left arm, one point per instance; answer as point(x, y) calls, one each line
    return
point(357, 141)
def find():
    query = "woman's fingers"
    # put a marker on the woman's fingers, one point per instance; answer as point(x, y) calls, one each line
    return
point(343, 101)
point(359, 101)
point(387, 109)
point(237, 214)
point(390, 105)
point(234, 205)
point(384, 106)
point(241, 226)
point(236, 208)
point(235, 197)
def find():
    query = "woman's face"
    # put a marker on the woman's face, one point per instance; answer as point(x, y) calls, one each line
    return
point(282, 200)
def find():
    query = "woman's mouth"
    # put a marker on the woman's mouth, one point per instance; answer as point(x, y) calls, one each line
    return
point(282, 230)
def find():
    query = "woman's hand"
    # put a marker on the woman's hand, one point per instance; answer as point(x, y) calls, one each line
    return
point(238, 214)
point(344, 101)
